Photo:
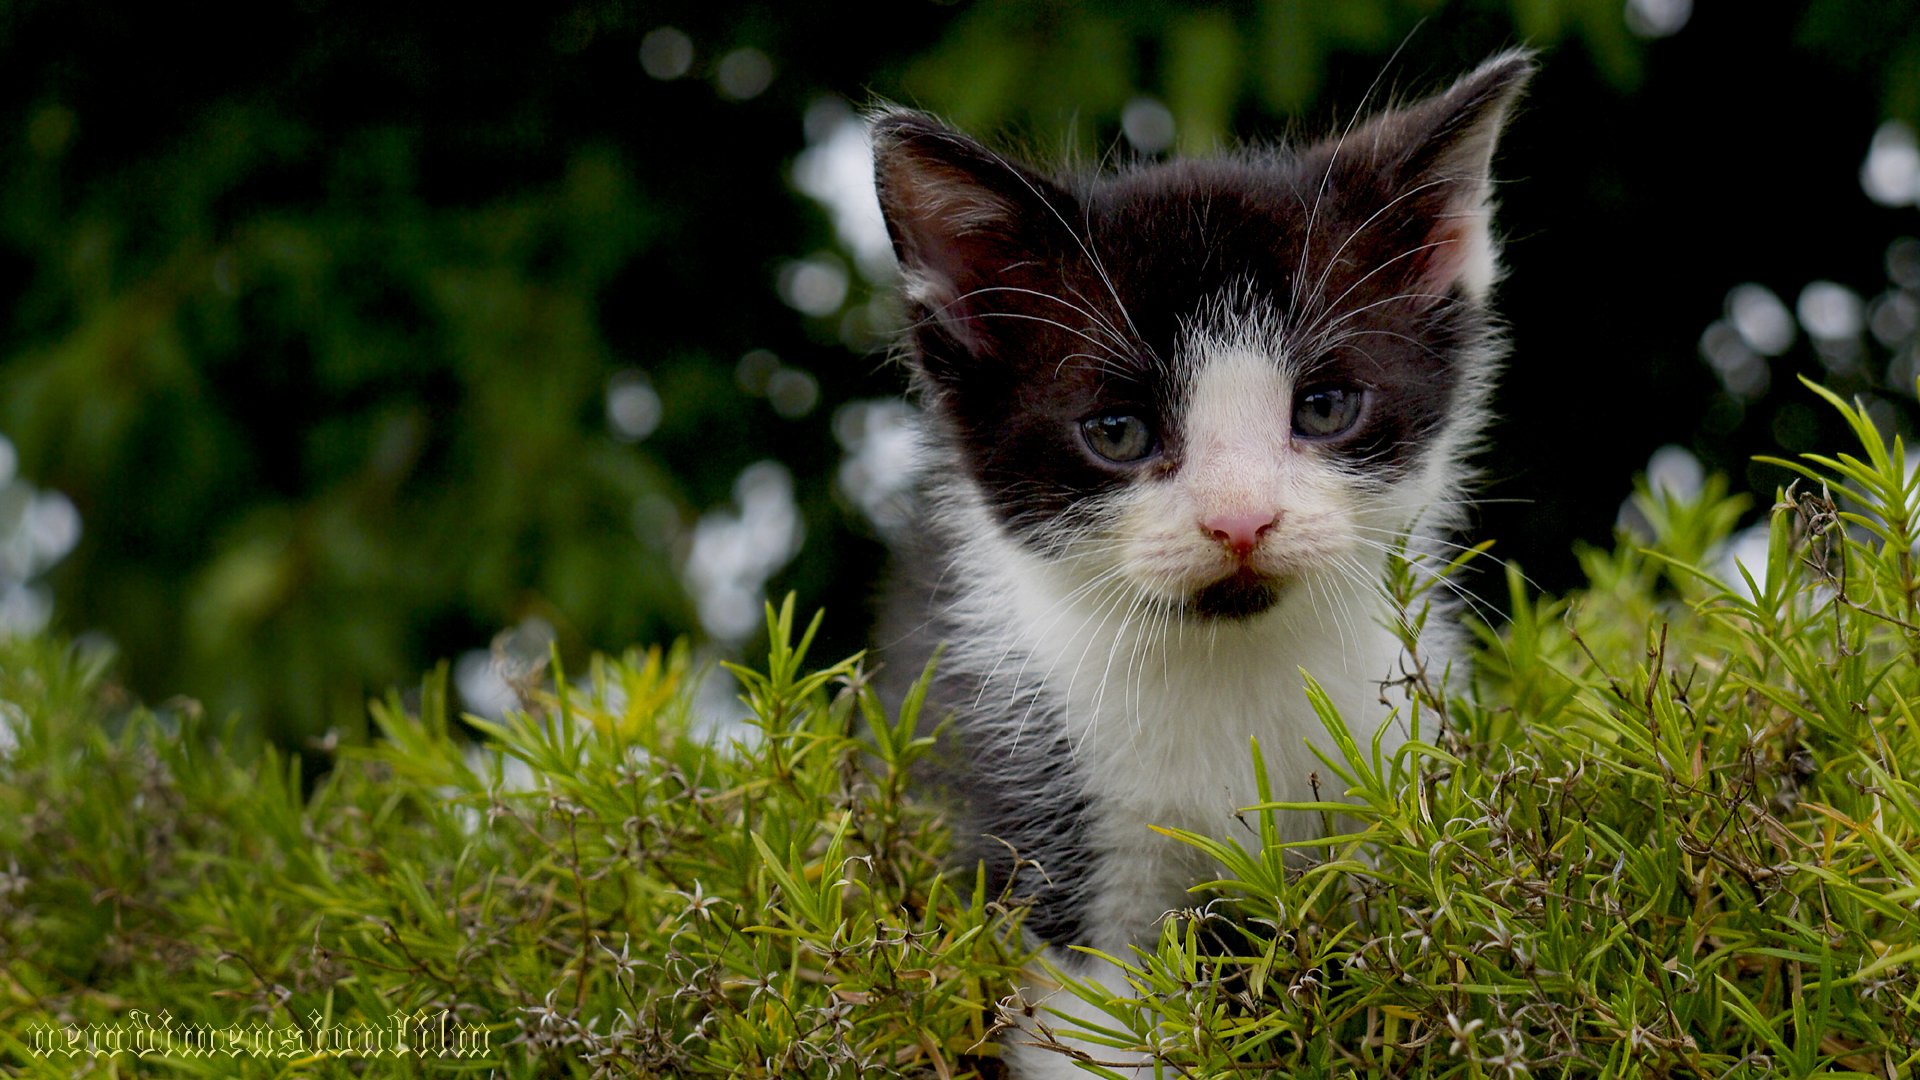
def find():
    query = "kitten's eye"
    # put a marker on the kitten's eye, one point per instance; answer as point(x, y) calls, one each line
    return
point(1119, 438)
point(1326, 411)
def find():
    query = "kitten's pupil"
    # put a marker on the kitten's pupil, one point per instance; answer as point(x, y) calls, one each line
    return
point(1326, 411)
point(1118, 437)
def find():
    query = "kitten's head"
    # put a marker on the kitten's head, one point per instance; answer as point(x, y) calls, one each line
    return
point(1207, 380)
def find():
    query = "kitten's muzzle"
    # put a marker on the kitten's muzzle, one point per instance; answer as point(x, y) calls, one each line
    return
point(1240, 531)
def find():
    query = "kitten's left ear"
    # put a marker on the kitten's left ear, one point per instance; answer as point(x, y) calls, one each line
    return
point(1439, 153)
point(962, 218)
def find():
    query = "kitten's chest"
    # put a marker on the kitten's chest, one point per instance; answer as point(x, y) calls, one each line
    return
point(1163, 730)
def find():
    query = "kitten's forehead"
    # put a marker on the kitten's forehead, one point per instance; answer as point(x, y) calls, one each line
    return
point(1239, 395)
point(1199, 240)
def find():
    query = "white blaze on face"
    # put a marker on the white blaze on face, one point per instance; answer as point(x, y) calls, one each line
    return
point(1237, 435)
point(1240, 463)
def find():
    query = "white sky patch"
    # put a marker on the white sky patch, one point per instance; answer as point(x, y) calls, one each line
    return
point(633, 406)
point(1658, 18)
point(881, 437)
point(1830, 311)
point(1674, 471)
point(718, 715)
point(515, 774)
point(1148, 125)
point(836, 170)
point(1740, 369)
point(24, 609)
point(486, 677)
point(737, 549)
point(1746, 548)
point(1890, 175)
point(815, 285)
point(37, 529)
point(1762, 319)
point(13, 720)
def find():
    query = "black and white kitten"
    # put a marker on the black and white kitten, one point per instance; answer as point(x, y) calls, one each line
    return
point(1176, 418)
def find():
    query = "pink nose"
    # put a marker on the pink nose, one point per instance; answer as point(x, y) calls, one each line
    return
point(1239, 531)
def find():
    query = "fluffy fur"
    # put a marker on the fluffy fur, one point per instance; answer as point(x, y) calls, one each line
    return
point(1117, 631)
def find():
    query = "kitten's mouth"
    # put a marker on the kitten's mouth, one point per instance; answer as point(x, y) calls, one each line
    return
point(1240, 595)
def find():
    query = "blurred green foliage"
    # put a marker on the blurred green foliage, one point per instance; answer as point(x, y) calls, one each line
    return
point(301, 434)
point(317, 332)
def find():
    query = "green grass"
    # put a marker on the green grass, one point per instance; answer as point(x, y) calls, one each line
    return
point(1666, 827)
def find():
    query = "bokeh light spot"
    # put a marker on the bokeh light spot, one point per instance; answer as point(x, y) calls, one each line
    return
point(836, 170)
point(736, 550)
point(1658, 18)
point(13, 719)
point(1675, 472)
point(793, 392)
point(1746, 549)
point(1903, 262)
point(1739, 368)
point(666, 53)
point(743, 74)
point(1829, 311)
point(486, 677)
point(37, 529)
point(1893, 318)
point(881, 440)
point(1148, 125)
point(24, 609)
point(755, 370)
point(1891, 173)
point(53, 524)
point(633, 406)
point(816, 285)
point(1764, 323)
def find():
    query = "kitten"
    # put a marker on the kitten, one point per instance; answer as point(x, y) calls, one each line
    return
point(1176, 418)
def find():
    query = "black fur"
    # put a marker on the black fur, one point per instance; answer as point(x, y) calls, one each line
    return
point(1038, 302)
point(1025, 817)
point(1071, 295)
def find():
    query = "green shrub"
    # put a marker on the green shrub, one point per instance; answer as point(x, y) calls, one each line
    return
point(1665, 828)
point(599, 888)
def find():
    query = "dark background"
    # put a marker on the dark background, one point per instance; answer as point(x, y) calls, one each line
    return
point(312, 313)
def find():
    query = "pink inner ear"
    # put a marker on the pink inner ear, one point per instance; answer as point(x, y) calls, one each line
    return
point(955, 315)
point(1456, 254)
point(937, 272)
point(951, 231)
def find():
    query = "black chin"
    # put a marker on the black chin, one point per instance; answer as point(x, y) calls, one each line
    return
point(1240, 596)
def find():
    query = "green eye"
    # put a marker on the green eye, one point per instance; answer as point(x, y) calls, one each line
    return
point(1119, 438)
point(1326, 411)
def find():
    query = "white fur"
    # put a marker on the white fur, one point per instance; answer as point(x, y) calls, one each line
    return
point(1091, 644)
point(1161, 710)
point(1164, 718)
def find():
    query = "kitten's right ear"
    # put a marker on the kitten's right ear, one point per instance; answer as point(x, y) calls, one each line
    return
point(960, 216)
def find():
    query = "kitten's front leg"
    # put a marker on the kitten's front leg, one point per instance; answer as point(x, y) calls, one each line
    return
point(1135, 884)
point(1052, 1037)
